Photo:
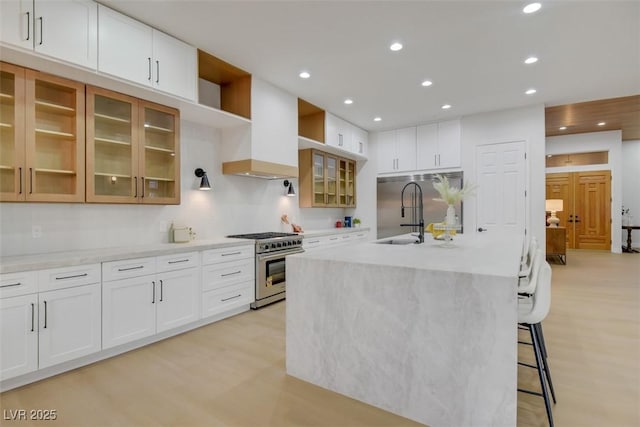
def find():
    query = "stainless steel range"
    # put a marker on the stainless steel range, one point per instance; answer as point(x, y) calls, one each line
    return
point(271, 252)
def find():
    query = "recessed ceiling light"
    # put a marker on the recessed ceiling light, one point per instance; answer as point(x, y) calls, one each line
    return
point(348, 101)
point(396, 46)
point(563, 128)
point(446, 106)
point(530, 91)
point(602, 123)
point(304, 75)
point(377, 119)
point(532, 7)
point(531, 60)
point(427, 83)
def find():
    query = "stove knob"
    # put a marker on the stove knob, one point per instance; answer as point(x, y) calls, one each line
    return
point(279, 244)
point(289, 243)
point(273, 246)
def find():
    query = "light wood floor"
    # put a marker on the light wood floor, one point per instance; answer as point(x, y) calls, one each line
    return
point(232, 373)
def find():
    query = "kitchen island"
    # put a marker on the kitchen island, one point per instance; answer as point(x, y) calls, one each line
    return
point(421, 330)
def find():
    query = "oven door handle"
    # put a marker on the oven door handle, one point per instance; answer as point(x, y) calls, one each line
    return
point(269, 257)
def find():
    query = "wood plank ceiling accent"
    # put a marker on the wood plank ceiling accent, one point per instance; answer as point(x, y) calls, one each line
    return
point(618, 113)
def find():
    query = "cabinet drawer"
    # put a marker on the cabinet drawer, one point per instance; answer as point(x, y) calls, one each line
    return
point(314, 242)
point(216, 276)
point(227, 254)
point(66, 277)
point(15, 284)
point(177, 261)
point(114, 270)
point(217, 301)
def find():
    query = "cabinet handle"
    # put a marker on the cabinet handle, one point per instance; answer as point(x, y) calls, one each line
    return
point(233, 297)
point(161, 290)
point(138, 267)
point(11, 285)
point(135, 181)
point(20, 173)
point(40, 19)
point(45, 315)
point(28, 25)
point(231, 253)
point(480, 229)
point(72, 277)
point(314, 241)
point(340, 139)
point(30, 180)
point(439, 160)
point(33, 314)
point(149, 59)
point(230, 274)
point(142, 180)
point(153, 287)
point(157, 71)
point(333, 238)
point(178, 261)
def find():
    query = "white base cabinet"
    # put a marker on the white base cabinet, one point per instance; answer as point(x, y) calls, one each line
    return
point(62, 322)
point(145, 296)
point(228, 279)
point(18, 335)
point(69, 324)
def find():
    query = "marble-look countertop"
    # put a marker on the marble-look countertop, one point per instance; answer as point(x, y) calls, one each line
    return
point(18, 263)
point(330, 231)
point(423, 331)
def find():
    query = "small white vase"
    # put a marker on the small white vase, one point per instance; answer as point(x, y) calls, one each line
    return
point(450, 219)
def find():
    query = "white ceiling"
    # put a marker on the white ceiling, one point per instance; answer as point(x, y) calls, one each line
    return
point(473, 51)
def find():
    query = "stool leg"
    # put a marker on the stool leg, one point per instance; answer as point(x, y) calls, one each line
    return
point(539, 363)
point(547, 371)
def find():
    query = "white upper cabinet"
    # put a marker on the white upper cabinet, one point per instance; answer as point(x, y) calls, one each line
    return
point(125, 47)
point(359, 141)
point(396, 150)
point(342, 134)
point(65, 30)
point(438, 145)
point(338, 132)
point(136, 52)
point(176, 66)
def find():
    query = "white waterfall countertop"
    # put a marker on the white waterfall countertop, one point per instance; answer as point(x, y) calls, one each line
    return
point(421, 330)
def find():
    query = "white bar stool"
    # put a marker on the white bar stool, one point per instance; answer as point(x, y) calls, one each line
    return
point(531, 313)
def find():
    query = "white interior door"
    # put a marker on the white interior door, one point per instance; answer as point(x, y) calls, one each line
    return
point(501, 196)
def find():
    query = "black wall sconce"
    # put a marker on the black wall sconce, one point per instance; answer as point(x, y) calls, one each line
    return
point(204, 182)
point(290, 191)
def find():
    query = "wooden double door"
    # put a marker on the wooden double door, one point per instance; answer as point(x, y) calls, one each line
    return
point(587, 207)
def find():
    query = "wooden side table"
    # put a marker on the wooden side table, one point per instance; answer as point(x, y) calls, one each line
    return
point(557, 243)
point(629, 228)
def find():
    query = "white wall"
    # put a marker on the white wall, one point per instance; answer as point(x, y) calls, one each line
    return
point(630, 190)
point(518, 124)
point(610, 141)
point(235, 204)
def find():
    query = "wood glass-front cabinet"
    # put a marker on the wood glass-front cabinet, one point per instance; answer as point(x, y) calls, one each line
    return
point(132, 150)
point(43, 140)
point(346, 183)
point(325, 180)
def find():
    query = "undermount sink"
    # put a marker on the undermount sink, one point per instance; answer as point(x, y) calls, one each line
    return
point(397, 242)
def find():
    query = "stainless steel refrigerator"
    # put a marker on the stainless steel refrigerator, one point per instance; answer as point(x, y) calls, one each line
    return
point(389, 202)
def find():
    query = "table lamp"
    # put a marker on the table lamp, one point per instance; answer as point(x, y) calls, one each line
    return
point(553, 206)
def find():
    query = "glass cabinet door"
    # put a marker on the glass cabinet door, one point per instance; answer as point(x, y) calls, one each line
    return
point(331, 164)
point(160, 155)
point(351, 184)
point(55, 139)
point(342, 182)
point(12, 167)
point(112, 156)
point(319, 197)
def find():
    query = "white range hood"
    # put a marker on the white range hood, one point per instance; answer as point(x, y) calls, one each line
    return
point(268, 148)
